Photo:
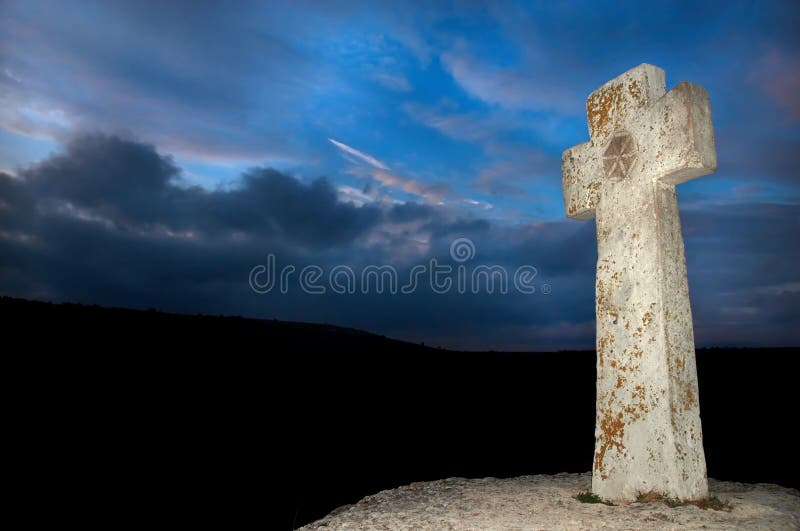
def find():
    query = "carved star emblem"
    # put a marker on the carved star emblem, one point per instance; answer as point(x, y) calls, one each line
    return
point(619, 156)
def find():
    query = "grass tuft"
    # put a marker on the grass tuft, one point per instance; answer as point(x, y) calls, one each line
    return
point(590, 497)
point(712, 502)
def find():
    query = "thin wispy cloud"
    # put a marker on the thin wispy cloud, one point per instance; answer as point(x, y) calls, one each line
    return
point(455, 125)
point(514, 88)
point(369, 159)
point(386, 185)
point(432, 193)
point(396, 82)
point(380, 173)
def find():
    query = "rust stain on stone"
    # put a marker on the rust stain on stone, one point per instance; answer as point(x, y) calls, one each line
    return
point(638, 391)
point(607, 106)
point(647, 318)
point(688, 396)
point(602, 346)
point(612, 429)
point(603, 303)
point(572, 208)
point(640, 395)
point(636, 91)
point(593, 193)
point(601, 107)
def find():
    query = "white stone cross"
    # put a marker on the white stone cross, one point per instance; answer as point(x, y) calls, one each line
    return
point(643, 141)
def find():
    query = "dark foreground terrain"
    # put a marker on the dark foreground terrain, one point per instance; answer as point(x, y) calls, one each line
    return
point(161, 418)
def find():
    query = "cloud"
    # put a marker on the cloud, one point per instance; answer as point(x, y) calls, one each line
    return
point(501, 179)
point(737, 257)
point(383, 185)
point(458, 126)
point(517, 171)
point(778, 75)
point(360, 155)
point(514, 166)
point(396, 82)
point(430, 192)
point(348, 194)
point(123, 67)
point(111, 219)
point(380, 173)
point(103, 222)
point(512, 88)
point(130, 184)
point(780, 289)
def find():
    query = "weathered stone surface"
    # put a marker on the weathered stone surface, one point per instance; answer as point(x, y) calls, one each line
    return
point(643, 141)
point(547, 503)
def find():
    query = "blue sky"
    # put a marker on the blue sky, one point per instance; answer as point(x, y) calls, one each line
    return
point(459, 108)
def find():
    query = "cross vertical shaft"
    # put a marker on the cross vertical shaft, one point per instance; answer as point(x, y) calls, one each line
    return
point(643, 141)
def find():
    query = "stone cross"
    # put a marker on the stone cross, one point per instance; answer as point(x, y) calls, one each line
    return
point(643, 141)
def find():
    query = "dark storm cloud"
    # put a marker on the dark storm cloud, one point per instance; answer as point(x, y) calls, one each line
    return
point(123, 181)
point(107, 222)
point(411, 212)
point(743, 276)
point(131, 186)
point(474, 227)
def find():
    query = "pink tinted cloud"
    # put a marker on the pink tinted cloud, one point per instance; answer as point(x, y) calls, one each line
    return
point(432, 193)
point(778, 74)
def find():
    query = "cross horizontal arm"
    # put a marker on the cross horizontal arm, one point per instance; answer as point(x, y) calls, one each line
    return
point(680, 131)
point(580, 179)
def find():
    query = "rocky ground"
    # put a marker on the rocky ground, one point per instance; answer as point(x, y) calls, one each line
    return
point(548, 503)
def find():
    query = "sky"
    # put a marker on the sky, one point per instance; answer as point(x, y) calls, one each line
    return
point(170, 155)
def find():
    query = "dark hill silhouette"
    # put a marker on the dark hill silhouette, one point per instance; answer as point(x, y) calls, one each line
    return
point(231, 418)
